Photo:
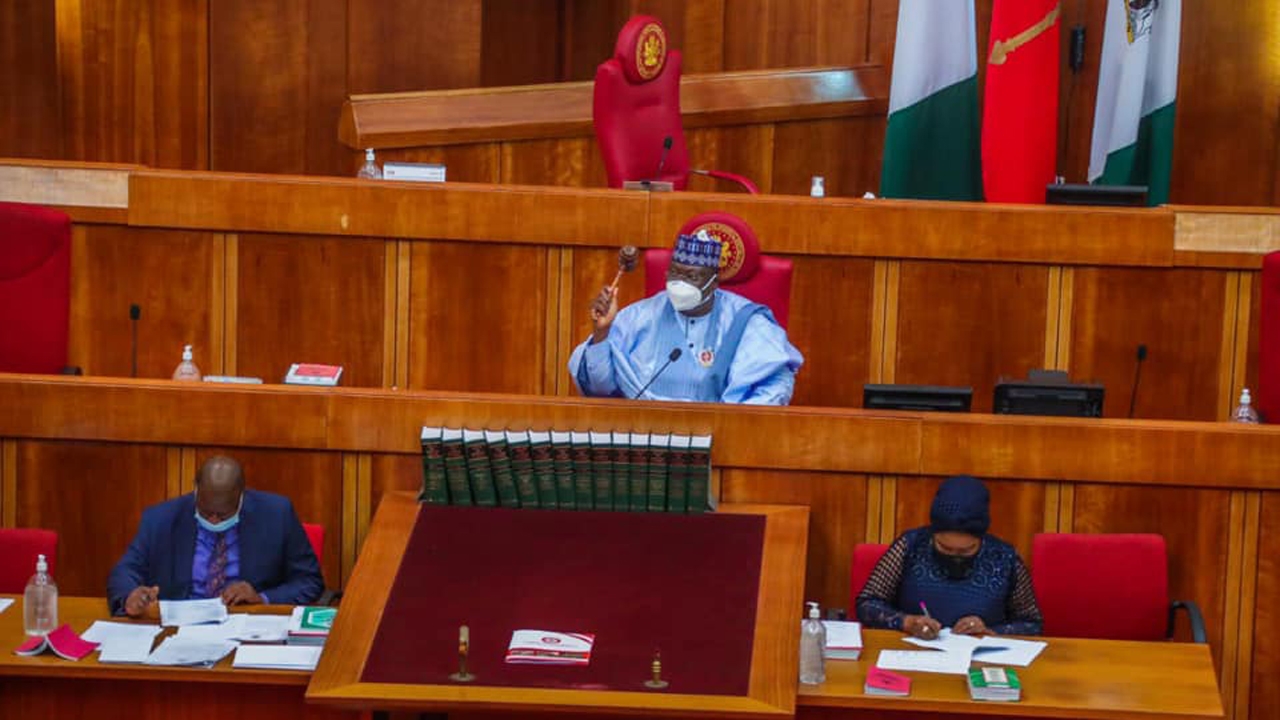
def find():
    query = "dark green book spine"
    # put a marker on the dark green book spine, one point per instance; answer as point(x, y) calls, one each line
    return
point(478, 469)
point(435, 486)
point(522, 468)
point(583, 491)
point(621, 471)
point(638, 473)
point(657, 467)
point(544, 471)
point(504, 479)
point(677, 477)
point(455, 468)
point(699, 473)
point(562, 457)
point(602, 471)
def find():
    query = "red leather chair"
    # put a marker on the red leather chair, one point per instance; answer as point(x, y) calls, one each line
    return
point(35, 288)
point(636, 107)
point(1267, 399)
point(18, 551)
point(315, 535)
point(1107, 586)
point(865, 557)
point(743, 269)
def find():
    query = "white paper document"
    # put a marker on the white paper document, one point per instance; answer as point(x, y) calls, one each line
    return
point(277, 657)
point(924, 661)
point(240, 628)
point(174, 613)
point(5, 603)
point(179, 651)
point(120, 642)
point(990, 649)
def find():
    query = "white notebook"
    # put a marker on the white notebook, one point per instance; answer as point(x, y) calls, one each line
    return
point(277, 657)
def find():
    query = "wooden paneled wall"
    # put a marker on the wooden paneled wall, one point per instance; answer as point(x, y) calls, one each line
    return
point(485, 288)
point(85, 456)
point(252, 85)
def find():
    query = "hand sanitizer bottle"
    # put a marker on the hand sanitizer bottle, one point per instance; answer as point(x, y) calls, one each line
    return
point(186, 369)
point(40, 601)
point(370, 169)
point(1244, 412)
point(818, 187)
point(813, 644)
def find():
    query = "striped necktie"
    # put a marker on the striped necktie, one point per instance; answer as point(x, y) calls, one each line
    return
point(217, 576)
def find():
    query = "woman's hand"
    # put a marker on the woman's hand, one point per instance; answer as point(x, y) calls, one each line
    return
point(971, 625)
point(925, 628)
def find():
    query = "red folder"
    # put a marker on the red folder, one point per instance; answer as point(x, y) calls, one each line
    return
point(883, 682)
point(64, 642)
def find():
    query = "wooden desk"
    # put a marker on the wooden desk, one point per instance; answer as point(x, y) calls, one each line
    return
point(1099, 679)
point(338, 681)
point(46, 686)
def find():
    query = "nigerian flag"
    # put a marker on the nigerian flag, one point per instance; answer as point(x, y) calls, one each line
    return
point(1137, 87)
point(931, 146)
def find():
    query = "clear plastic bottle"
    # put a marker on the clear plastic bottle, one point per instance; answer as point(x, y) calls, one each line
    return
point(813, 644)
point(1244, 412)
point(817, 187)
point(186, 369)
point(370, 169)
point(40, 601)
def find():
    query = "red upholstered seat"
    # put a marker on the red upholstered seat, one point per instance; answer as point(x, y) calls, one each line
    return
point(35, 288)
point(315, 535)
point(865, 557)
point(1105, 586)
point(1267, 399)
point(743, 268)
point(636, 106)
point(18, 551)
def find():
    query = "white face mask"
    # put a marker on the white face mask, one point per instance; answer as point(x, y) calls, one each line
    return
point(686, 296)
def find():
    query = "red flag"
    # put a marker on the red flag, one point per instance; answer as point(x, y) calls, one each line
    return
point(1020, 103)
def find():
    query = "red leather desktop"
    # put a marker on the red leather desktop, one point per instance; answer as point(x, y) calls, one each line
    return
point(35, 288)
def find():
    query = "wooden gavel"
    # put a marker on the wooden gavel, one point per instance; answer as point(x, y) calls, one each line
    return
point(628, 258)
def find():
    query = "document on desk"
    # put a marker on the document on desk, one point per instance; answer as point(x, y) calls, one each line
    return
point(240, 628)
point(120, 642)
point(990, 649)
point(5, 603)
point(181, 651)
point(948, 663)
point(277, 657)
point(174, 613)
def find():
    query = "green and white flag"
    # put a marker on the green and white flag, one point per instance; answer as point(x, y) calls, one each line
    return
point(1137, 88)
point(932, 146)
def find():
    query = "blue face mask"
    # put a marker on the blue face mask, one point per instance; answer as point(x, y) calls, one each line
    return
point(223, 526)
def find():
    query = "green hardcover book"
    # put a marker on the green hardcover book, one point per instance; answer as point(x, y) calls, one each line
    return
point(504, 479)
point(621, 471)
point(995, 684)
point(522, 468)
point(699, 473)
point(455, 467)
point(562, 459)
point(478, 469)
point(435, 486)
point(602, 470)
point(638, 472)
point(583, 492)
point(678, 473)
point(657, 467)
point(544, 470)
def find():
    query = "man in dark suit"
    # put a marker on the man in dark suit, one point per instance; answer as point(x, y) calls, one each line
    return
point(244, 546)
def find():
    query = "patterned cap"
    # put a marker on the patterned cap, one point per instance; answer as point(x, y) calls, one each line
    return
point(699, 250)
point(961, 505)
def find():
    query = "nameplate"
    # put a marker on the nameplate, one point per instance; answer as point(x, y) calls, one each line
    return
point(233, 379)
point(415, 172)
point(648, 185)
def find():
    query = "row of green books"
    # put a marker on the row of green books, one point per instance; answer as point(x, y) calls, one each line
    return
point(630, 472)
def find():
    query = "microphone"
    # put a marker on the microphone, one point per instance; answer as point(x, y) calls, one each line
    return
point(674, 356)
point(1137, 376)
point(662, 159)
point(135, 312)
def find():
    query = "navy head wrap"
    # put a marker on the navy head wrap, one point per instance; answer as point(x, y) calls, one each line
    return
point(961, 505)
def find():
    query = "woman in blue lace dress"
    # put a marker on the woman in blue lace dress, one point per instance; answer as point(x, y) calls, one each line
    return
point(967, 580)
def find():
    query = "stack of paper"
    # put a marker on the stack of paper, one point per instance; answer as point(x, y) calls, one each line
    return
point(122, 642)
point(545, 647)
point(5, 603)
point(924, 661)
point(277, 657)
point(185, 651)
point(174, 613)
point(989, 649)
point(240, 628)
point(994, 684)
point(844, 640)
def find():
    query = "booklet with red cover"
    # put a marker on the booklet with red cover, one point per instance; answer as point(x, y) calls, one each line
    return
point(64, 642)
point(884, 682)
